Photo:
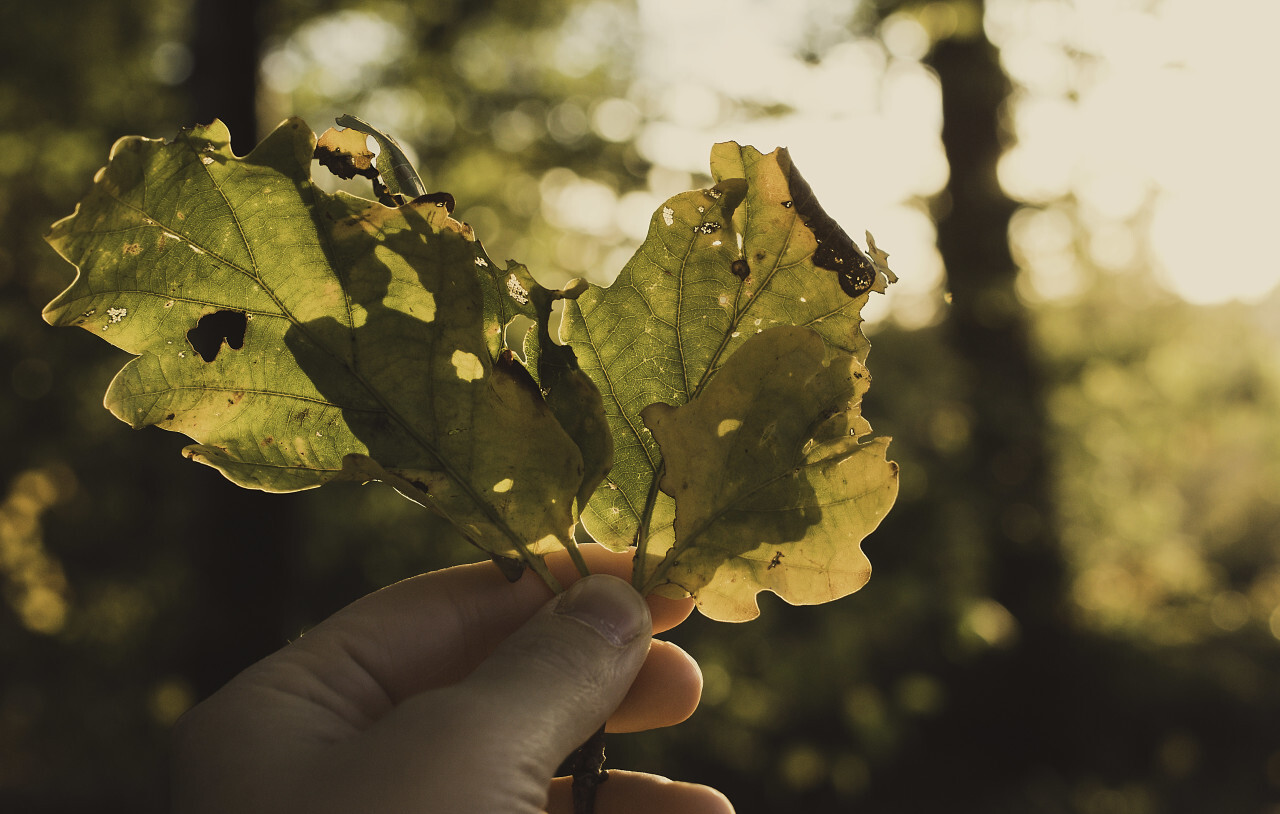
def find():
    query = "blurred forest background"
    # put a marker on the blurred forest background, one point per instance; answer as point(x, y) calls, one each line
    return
point(1076, 605)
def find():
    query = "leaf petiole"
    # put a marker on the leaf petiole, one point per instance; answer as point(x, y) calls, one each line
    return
point(642, 532)
point(575, 554)
point(540, 568)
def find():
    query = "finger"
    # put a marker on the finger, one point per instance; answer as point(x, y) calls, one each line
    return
point(665, 692)
point(636, 793)
point(575, 664)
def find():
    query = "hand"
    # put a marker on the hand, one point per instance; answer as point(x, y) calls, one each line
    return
point(455, 691)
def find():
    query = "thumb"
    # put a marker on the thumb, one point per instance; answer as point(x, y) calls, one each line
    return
point(542, 692)
point(567, 668)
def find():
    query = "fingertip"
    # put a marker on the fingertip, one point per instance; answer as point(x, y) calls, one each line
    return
point(599, 560)
point(668, 612)
point(666, 691)
point(640, 793)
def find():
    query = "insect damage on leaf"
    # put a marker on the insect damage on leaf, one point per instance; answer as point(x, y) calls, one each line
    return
point(215, 329)
point(345, 153)
point(836, 250)
point(393, 165)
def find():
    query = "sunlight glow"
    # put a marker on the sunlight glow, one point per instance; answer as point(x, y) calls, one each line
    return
point(334, 54)
point(1160, 122)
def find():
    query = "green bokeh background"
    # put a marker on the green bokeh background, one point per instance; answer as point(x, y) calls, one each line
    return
point(1076, 604)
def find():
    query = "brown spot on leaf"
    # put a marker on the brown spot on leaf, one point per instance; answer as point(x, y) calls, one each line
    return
point(740, 269)
point(132, 249)
point(439, 199)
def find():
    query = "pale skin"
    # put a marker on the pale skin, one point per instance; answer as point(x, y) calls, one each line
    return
point(454, 691)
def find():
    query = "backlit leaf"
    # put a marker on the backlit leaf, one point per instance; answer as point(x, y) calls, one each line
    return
point(719, 266)
point(772, 488)
point(293, 333)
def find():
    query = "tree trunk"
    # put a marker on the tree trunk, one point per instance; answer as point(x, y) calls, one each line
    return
point(988, 328)
point(227, 49)
point(241, 543)
point(1008, 711)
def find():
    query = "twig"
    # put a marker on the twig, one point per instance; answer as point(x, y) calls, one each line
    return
point(586, 764)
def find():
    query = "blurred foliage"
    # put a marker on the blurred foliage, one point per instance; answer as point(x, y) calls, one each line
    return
point(1169, 461)
point(507, 105)
point(134, 583)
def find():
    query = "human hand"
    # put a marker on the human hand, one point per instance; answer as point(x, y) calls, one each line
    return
point(454, 691)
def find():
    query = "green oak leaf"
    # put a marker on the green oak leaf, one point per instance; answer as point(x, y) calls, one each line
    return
point(718, 266)
point(301, 337)
point(773, 489)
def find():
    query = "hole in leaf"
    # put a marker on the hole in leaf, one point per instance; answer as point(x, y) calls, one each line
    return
point(213, 329)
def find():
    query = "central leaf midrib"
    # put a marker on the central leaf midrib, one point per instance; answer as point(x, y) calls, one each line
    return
point(736, 319)
point(613, 396)
point(260, 392)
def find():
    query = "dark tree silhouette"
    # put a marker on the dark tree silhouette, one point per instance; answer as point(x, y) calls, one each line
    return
point(242, 544)
point(1001, 708)
point(226, 50)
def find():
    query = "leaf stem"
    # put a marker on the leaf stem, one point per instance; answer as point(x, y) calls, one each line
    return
point(575, 554)
point(642, 532)
point(540, 568)
point(586, 765)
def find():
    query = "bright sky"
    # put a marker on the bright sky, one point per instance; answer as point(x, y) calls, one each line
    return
point(1165, 107)
point(1162, 127)
point(1177, 107)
